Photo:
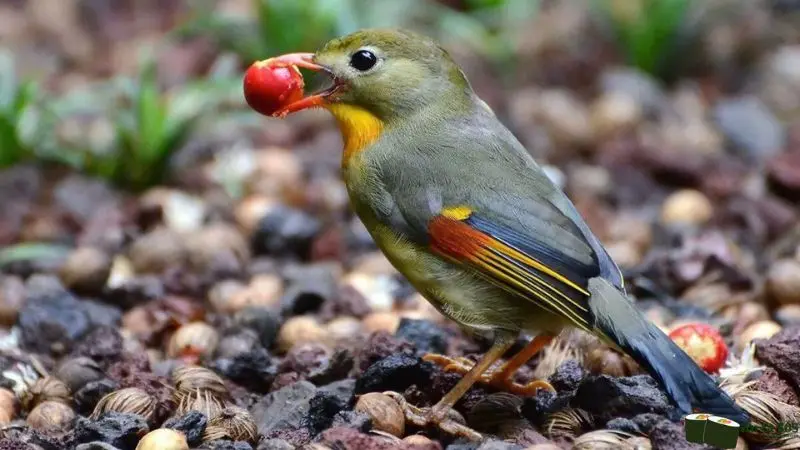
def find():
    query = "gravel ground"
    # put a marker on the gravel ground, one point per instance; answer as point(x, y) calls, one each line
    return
point(190, 317)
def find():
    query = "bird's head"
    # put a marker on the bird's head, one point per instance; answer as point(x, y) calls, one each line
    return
point(387, 73)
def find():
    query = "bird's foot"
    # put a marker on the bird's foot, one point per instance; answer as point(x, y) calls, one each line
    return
point(446, 419)
point(499, 378)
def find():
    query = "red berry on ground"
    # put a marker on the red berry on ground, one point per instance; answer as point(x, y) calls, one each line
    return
point(268, 87)
point(703, 343)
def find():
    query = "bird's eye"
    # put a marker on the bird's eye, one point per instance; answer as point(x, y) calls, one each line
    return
point(363, 60)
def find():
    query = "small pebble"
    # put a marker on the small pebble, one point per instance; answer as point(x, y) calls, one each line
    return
point(86, 270)
point(381, 321)
point(157, 250)
point(688, 207)
point(783, 281)
point(196, 339)
point(300, 330)
point(250, 210)
point(764, 329)
point(788, 315)
point(613, 113)
point(344, 328)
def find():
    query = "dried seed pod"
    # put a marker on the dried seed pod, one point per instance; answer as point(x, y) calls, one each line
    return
point(8, 406)
point(547, 446)
point(216, 433)
point(50, 416)
point(201, 401)
point(385, 413)
point(45, 389)
point(418, 440)
point(567, 423)
point(553, 356)
point(76, 372)
point(602, 439)
point(190, 379)
point(128, 400)
point(237, 423)
point(163, 439)
point(640, 443)
point(193, 340)
point(768, 414)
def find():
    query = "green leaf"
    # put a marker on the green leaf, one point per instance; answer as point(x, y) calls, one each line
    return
point(32, 252)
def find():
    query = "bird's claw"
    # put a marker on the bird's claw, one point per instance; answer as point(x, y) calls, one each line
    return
point(495, 378)
point(453, 423)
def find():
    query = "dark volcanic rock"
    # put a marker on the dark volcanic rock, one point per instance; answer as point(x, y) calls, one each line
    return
point(263, 321)
point(426, 336)
point(309, 288)
point(103, 345)
point(118, 429)
point(328, 401)
point(285, 413)
point(352, 419)
point(254, 370)
point(87, 397)
point(623, 424)
point(192, 425)
point(394, 373)
point(608, 397)
point(52, 319)
point(645, 422)
point(350, 439)
point(782, 352)
point(275, 444)
point(667, 435)
point(285, 231)
point(379, 345)
point(566, 380)
point(770, 381)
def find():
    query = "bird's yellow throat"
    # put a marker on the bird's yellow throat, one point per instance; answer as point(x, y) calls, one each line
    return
point(359, 128)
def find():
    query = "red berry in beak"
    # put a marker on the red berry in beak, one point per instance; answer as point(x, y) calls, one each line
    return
point(270, 86)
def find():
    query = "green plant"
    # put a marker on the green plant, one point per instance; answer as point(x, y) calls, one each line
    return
point(280, 26)
point(663, 37)
point(23, 124)
point(130, 128)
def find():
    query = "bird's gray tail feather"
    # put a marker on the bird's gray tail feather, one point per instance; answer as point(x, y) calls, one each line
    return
point(689, 387)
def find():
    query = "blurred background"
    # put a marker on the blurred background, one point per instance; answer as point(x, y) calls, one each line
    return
point(672, 124)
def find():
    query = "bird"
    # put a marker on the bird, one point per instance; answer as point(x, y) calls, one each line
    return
point(463, 211)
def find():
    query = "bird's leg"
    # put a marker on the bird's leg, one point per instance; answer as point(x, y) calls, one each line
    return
point(441, 413)
point(502, 377)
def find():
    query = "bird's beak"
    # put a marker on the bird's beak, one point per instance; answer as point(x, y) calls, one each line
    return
point(305, 61)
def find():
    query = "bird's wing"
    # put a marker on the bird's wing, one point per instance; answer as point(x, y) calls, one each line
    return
point(481, 202)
